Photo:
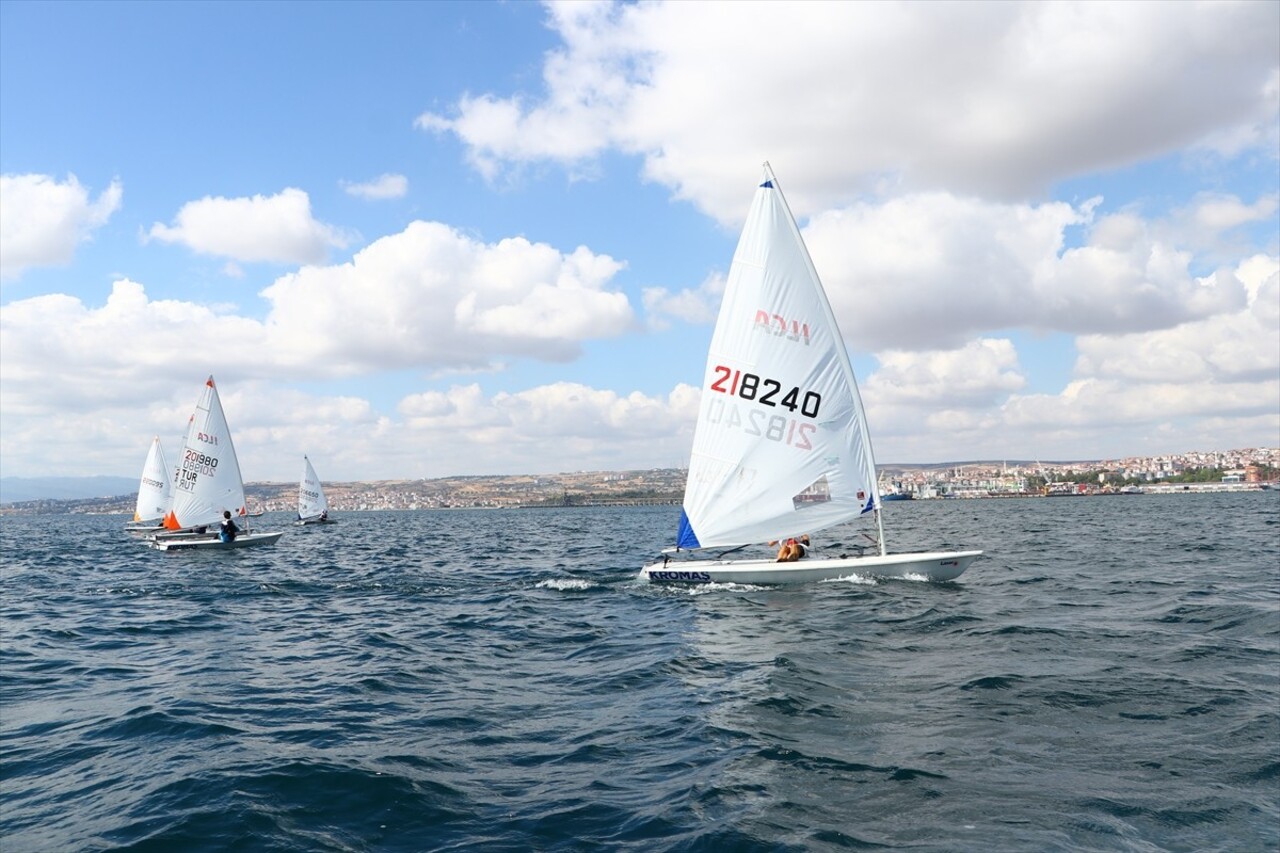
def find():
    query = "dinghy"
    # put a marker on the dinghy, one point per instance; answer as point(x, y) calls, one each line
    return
point(208, 484)
point(781, 446)
point(312, 506)
point(153, 493)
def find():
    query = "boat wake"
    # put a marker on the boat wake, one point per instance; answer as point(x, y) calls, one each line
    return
point(565, 584)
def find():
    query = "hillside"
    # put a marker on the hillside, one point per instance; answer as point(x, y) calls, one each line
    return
point(595, 488)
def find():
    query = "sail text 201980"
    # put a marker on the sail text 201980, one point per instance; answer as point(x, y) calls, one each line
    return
point(195, 463)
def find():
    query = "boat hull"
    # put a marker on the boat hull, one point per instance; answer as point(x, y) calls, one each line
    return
point(934, 566)
point(206, 542)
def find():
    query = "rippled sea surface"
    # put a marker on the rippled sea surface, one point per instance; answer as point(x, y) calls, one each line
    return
point(1106, 677)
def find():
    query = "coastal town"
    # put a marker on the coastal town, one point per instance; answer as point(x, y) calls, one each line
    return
point(1229, 470)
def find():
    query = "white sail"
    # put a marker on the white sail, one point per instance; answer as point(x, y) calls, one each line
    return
point(153, 488)
point(208, 476)
point(781, 444)
point(311, 500)
point(175, 473)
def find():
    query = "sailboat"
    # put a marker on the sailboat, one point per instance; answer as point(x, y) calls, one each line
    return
point(312, 506)
point(781, 445)
point(153, 492)
point(208, 483)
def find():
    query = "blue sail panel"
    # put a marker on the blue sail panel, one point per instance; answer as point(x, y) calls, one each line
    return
point(686, 537)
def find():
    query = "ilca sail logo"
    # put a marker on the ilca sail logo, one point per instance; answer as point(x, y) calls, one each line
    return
point(779, 326)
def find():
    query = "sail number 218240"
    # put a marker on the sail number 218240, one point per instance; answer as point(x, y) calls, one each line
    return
point(765, 391)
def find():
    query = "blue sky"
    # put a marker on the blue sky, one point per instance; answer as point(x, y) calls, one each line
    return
point(427, 239)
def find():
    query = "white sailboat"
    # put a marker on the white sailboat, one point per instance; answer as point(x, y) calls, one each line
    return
point(781, 445)
point(312, 506)
point(208, 483)
point(153, 492)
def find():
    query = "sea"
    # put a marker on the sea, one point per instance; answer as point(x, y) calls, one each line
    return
point(1106, 677)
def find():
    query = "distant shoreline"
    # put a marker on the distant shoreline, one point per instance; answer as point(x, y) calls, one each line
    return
point(123, 504)
point(665, 486)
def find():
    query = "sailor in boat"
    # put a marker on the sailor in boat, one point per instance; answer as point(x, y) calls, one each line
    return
point(228, 530)
point(792, 549)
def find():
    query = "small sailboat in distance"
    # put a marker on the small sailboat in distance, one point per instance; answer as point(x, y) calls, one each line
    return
point(208, 483)
point(153, 492)
point(313, 508)
point(781, 446)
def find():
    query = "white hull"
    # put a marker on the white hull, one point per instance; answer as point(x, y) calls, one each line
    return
point(211, 542)
point(314, 520)
point(934, 566)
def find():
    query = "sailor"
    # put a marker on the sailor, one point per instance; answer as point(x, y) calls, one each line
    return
point(792, 549)
point(227, 530)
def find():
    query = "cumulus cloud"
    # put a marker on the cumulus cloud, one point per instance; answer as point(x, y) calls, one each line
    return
point(462, 430)
point(1092, 419)
point(1219, 373)
point(433, 296)
point(568, 409)
point(1220, 227)
point(999, 100)
point(1102, 404)
point(688, 306)
point(1219, 212)
point(588, 85)
point(381, 187)
point(935, 271)
point(979, 374)
point(1214, 380)
point(126, 351)
point(563, 426)
point(945, 389)
point(133, 366)
point(42, 220)
point(273, 426)
point(273, 229)
point(427, 298)
point(1242, 346)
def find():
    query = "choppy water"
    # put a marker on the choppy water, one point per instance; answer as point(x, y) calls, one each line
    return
point(1107, 677)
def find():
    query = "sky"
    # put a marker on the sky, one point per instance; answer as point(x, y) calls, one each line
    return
point(434, 239)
